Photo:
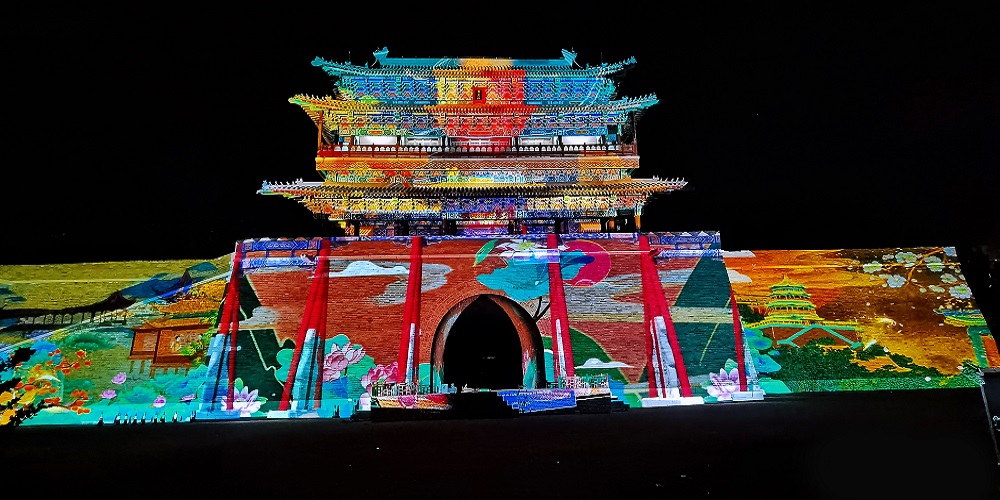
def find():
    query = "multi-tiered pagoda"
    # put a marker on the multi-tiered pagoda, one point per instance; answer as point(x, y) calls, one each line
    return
point(475, 147)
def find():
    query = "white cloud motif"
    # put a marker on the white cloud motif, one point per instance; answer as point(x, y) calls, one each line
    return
point(262, 316)
point(432, 277)
point(596, 363)
point(737, 277)
point(367, 268)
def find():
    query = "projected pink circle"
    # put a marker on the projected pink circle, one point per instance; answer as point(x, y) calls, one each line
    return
point(592, 273)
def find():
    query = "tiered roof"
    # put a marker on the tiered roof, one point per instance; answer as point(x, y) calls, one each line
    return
point(456, 142)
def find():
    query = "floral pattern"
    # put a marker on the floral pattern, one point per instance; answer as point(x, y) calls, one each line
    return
point(908, 259)
point(895, 281)
point(960, 291)
point(245, 402)
point(724, 385)
point(380, 374)
point(934, 263)
point(335, 363)
point(872, 266)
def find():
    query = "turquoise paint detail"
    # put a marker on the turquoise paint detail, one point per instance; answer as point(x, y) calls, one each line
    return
point(791, 340)
point(399, 65)
point(550, 375)
point(764, 363)
point(527, 279)
point(771, 386)
point(708, 286)
point(705, 346)
point(530, 374)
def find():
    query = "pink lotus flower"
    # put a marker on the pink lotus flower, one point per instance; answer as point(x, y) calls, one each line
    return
point(339, 359)
point(246, 402)
point(724, 384)
point(380, 374)
point(119, 379)
point(109, 394)
point(159, 401)
point(408, 401)
point(187, 399)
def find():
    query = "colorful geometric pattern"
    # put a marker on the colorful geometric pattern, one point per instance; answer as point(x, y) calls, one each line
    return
point(418, 139)
point(147, 340)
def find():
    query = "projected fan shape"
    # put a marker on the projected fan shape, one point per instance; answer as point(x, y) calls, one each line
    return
point(592, 273)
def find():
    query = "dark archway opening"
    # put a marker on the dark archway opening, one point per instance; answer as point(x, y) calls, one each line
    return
point(483, 349)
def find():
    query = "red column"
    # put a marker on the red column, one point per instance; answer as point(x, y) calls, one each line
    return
point(562, 348)
point(661, 310)
point(321, 303)
point(225, 322)
point(654, 365)
point(741, 364)
point(307, 322)
point(231, 322)
point(408, 359)
point(415, 312)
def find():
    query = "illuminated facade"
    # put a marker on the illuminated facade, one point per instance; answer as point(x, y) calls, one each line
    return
point(475, 147)
point(493, 243)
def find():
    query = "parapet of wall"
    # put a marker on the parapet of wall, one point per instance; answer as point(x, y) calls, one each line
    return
point(808, 321)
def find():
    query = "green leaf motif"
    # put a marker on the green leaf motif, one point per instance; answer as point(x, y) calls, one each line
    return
point(485, 251)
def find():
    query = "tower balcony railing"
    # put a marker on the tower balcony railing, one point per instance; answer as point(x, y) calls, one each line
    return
point(486, 150)
point(599, 381)
point(399, 389)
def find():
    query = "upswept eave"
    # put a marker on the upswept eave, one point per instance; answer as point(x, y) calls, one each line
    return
point(300, 188)
point(424, 67)
point(314, 103)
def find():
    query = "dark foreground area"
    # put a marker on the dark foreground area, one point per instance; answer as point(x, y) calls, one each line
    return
point(898, 444)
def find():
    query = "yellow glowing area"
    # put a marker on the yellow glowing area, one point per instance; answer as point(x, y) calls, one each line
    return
point(903, 300)
point(482, 63)
point(72, 285)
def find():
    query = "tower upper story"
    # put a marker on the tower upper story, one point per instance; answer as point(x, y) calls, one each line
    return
point(467, 100)
point(462, 146)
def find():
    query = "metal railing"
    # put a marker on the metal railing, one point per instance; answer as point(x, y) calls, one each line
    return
point(581, 382)
point(493, 150)
point(399, 389)
point(600, 381)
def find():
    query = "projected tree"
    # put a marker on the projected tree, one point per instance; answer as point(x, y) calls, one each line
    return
point(31, 381)
point(934, 271)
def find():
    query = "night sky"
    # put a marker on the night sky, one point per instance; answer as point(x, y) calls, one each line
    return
point(145, 133)
point(145, 136)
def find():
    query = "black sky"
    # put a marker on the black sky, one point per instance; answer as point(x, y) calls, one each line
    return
point(146, 135)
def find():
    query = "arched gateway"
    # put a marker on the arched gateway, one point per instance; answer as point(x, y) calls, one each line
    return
point(487, 341)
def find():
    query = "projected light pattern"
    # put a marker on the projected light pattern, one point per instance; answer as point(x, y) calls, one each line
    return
point(164, 351)
point(859, 319)
point(493, 248)
point(808, 321)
